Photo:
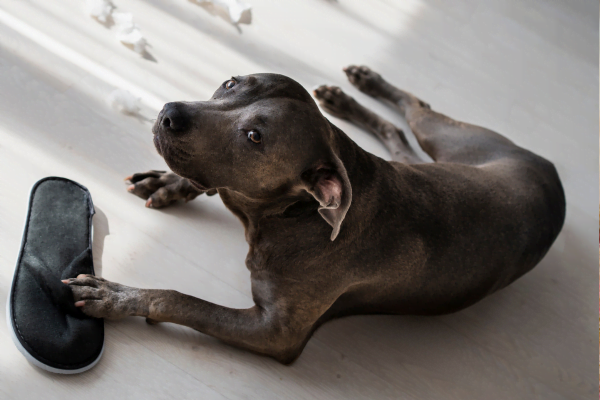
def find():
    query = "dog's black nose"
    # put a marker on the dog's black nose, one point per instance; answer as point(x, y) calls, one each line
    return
point(173, 117)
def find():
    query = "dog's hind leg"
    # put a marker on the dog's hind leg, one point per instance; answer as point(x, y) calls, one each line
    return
point(340, 105)
point(443, 138)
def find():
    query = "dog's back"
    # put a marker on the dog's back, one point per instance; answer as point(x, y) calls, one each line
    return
point(449, 234)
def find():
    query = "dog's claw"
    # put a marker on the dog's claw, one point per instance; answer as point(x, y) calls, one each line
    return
point(149, 203)
point(129, 178)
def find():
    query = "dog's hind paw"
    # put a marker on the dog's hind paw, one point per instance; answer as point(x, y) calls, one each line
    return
point(365, 79)
point(335, 101)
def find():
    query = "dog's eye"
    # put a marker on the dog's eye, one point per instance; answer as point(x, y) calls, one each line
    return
point(254, 136)
point(229, 84)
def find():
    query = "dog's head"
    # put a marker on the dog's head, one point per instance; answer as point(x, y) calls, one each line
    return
point(260, 135)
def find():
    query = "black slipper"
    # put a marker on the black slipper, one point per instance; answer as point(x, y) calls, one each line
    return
point(46, 326)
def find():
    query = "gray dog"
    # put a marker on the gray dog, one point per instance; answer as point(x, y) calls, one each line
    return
point(334, 230)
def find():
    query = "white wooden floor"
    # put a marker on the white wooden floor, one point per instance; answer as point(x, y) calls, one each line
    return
point(528, 69)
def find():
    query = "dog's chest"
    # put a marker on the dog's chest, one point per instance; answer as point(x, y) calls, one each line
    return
point(284, 244)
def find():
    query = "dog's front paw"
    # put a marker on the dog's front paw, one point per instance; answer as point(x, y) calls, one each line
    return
point(161, 188)
point(100, 298)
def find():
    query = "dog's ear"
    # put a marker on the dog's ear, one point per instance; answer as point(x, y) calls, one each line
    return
point(330, 186)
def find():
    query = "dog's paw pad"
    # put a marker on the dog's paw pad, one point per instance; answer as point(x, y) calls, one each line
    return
point(364, 79)
point(335, 101)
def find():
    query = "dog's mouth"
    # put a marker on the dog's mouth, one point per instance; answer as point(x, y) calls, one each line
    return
point(175, 156)
point(156, 139)
point(199, 186)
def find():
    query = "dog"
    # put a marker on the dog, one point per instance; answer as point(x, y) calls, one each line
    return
point(332, 229)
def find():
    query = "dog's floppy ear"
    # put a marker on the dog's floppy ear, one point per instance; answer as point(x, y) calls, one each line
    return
point(330, 186)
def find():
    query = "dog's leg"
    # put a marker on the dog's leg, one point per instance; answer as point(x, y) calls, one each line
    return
point(443, 138)
point(339, 104)
point(277, 331)
point(161, 188)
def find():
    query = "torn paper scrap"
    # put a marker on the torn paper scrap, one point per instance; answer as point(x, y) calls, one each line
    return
point(129, 33)
point(99, 9)
point(238, 11)
point(124, 102)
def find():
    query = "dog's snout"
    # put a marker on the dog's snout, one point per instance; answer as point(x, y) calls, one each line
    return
point(173, 118)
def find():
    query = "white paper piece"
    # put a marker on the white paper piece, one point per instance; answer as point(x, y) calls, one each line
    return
point(124, 102)
point(129, 32)
point(238, 11)
point(99, 9)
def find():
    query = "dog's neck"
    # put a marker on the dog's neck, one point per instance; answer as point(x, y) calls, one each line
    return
point(361, 168)
point(364, 172)
point(251, 211)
